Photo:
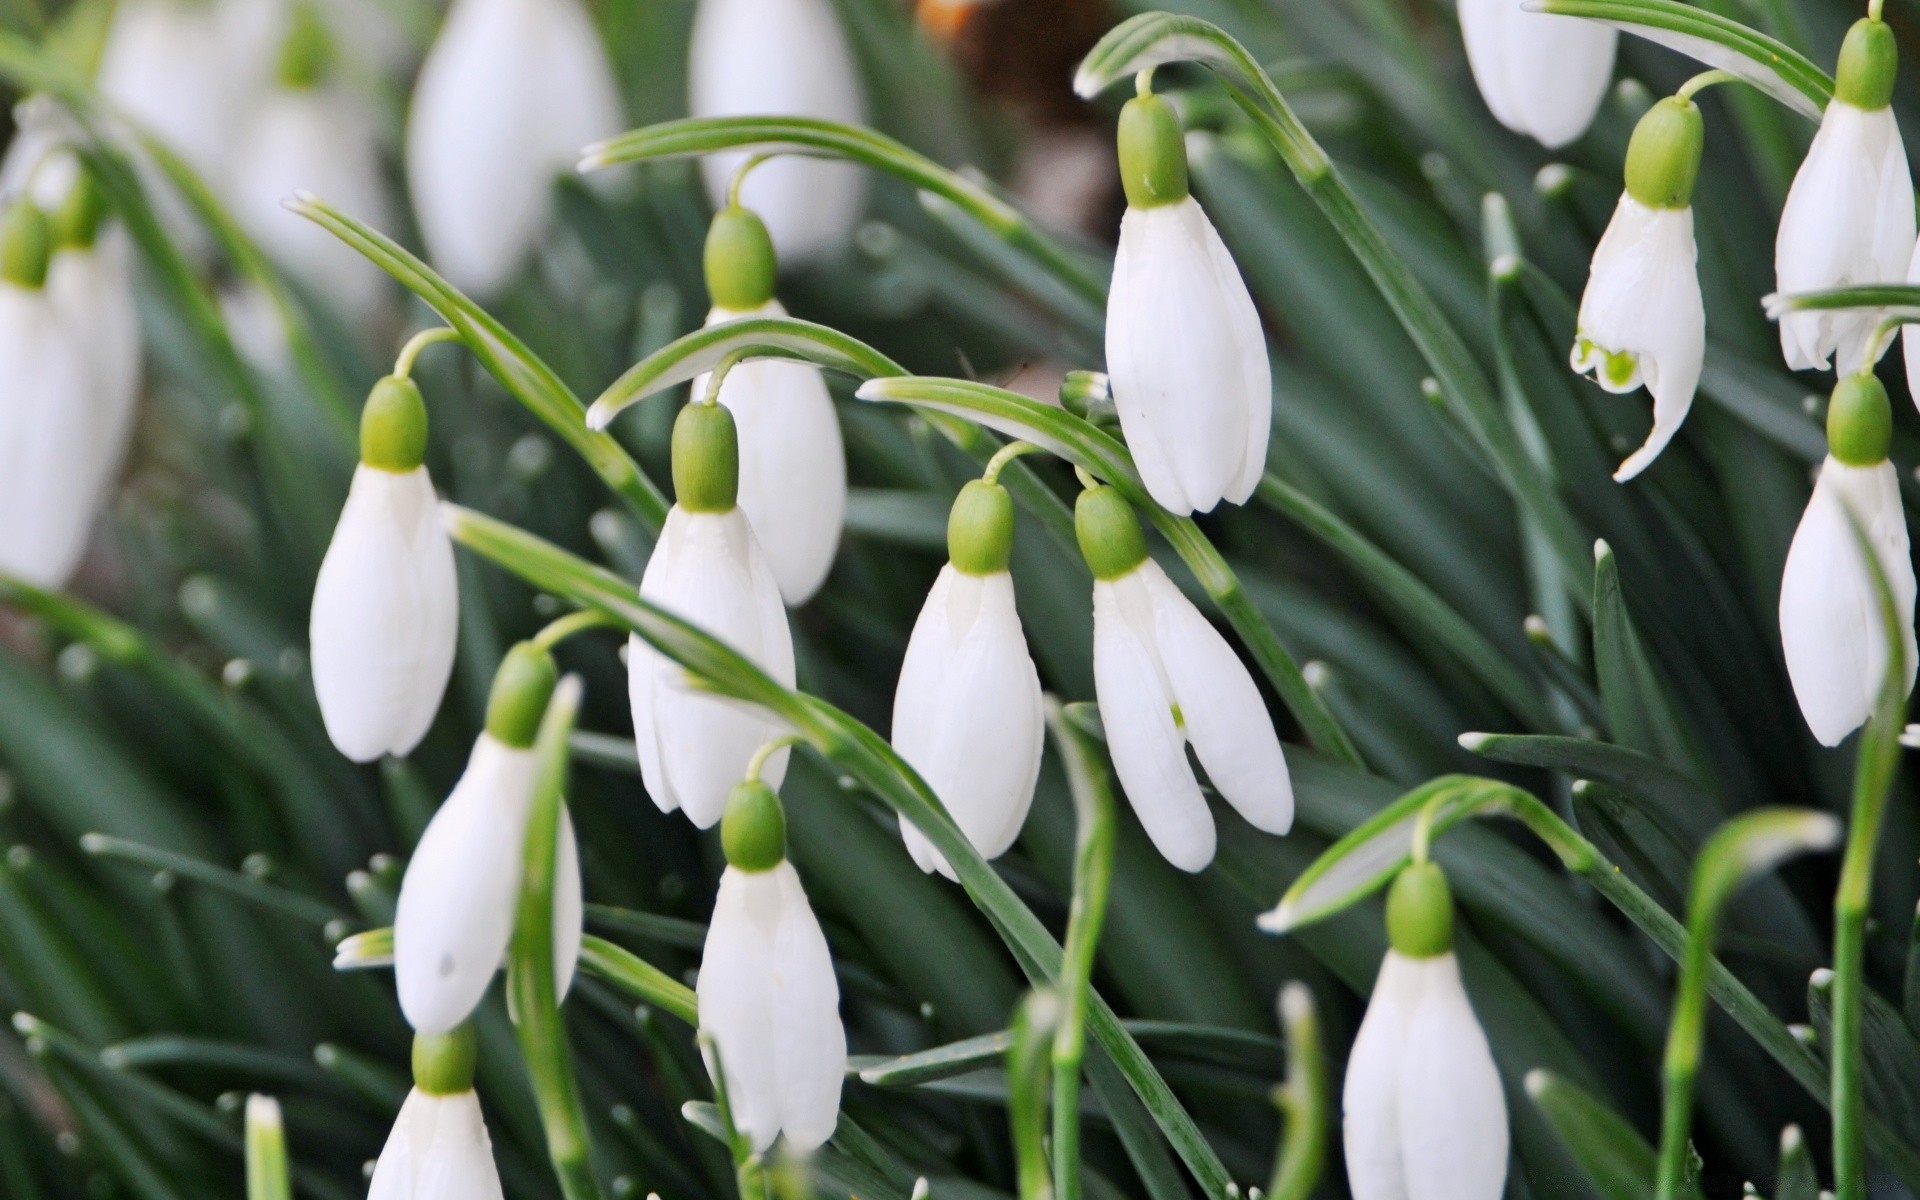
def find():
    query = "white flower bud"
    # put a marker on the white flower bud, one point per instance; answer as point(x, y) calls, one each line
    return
point(781, 58)
point(708, 569)
point(1541, 75)
point(769, 1000)
point(1165, 677)
point(510, 93)
point(967, 713)
point(50, 447)
point(438, 1150)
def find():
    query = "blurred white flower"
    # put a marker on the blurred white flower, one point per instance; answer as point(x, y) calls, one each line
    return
point(1165, 677)
point(1541, 75)
point(1830, 623)
point(438, 1150)
point(1188, 360)
point(509, 95)
point(1425, 1118)
point(386, 615)
point(781, 58)
point(457, 902)
point(793, 466)
point(1641, 318)
point(769, 999)
point(967, 713)
point(708, 569)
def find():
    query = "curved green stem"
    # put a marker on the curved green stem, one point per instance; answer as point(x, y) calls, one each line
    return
point(767, 750)
point(1034, 1023)
point(1303, 1101)
point(409, 353)
point(562, 628)
point(1005, 455)
point(739, 179)
point(1704, 80)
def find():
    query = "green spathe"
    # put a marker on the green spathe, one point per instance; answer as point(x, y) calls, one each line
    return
point(1869, 60)
point(740, 262)
point(1859, 420)
point(521, 688)
point(753, 831)
point(1153, 152)
point(306, 56)
point(1663, 158)
point(393, 426)
point(76, 223)
point(1420, 912)
point(26, 245)
point(443, 1062)
point(980, 529)
point(706, 459)
point(1108, 532)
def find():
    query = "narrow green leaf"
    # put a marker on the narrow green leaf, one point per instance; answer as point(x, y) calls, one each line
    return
point(638, 978)
point(1797, 1178)
point(1617, 1160)
point(1640, 711)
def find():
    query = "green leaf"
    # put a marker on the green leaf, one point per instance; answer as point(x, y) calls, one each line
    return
point(1767, 63)
point(1618, 1162)
point(1889, 1054)
point(638, 978)
point(1639, 710)
point(1797, 1178)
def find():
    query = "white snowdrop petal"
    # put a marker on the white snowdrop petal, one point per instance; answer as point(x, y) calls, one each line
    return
point(510, 92)
point(1830, 623)
point(47, 453)
point(569, 906)
point(92, 291)
point(1136, 706)
point(386, 614)
point(781, 58)
point(1370, 1099)
point(1452, 1112)
point(1189, 371)
point(438, 1148)
point(1225, 718)
point(1553, 71)
point(1848, 219)
point(810, 1041)
point(735, 1001)
point(455, 914)
point(189, 71)
point(1910, 335)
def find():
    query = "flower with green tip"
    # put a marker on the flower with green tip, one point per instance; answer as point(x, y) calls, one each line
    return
point(439, 1148)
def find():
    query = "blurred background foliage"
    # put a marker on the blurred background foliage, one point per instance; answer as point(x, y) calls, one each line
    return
point(183, 958)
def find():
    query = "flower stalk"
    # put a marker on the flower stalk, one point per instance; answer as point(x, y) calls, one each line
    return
point(1302, 1098)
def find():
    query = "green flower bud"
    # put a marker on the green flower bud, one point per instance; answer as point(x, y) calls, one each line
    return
point(76, 222)
point(740, 262)
point(26, 245)
point(753, 831)
point(706, 459)
point(1859, 420)
point(1420, 912)
point(1153, 152)
point(1108, 532)
point(1089, 394)
point(1869, 60)
point(393, 426)
point(521, 688)
point(1663, 158)
point(307, 53)
point(443, 1062)
point(980, 529)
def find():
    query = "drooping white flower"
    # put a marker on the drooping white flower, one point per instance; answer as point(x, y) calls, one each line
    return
point(793, 465)
point(1541, 75)
point(322, 140)
point(769, 999)
point(386, 615)
point(457, 902)
point(438, 1150)
point(1164, 678)
point(967, 712)
point(781, 58)
point(1185, 352)
point(693, 747)
point(508, 96)
point(1849, 217)
point(1830, 622)
point(92, 288)
point(1641, 317)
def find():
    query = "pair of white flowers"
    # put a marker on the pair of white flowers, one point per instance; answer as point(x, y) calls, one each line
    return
point(70, 337)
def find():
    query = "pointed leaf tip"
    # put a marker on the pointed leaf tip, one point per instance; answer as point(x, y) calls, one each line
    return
point(1601, 550)
point(1538, 1080)
point(1472, 741)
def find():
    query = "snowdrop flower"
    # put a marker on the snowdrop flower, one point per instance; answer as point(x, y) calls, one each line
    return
point(767, 993)
point(1849, 217)
point(305, 134)
point(781, 58)
point(386, 607)
point(708, 569)
point(1424, 1116)
point(967, 714)
point(1185, 352)
point(793, 466)
point(1830, 622)
point(1164, 677)
point(50, 449)
point(1641, 319)
point(439, 1148)
point(1541, 75)
point(457, 901)
point(509, 94)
